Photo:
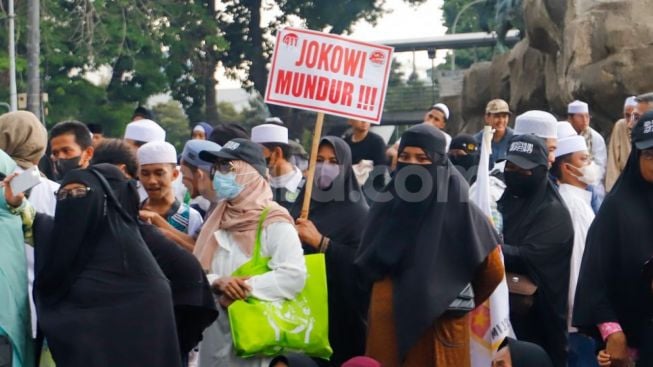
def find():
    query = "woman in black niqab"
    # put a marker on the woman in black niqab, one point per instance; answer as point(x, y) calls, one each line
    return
point(611, 287)
point(425, 250)
point(100, 296)
point(193, 301)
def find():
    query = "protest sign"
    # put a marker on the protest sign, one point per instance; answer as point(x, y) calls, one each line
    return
point(327, 73)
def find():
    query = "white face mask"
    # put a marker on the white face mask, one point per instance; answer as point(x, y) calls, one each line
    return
point(590, 174)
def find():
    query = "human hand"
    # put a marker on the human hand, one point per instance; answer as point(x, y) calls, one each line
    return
point(225, 301)
point(617, 348)
point(308, 233)
point(604, 359)
point(233, 287)
point(152, 218)
point(12, 200)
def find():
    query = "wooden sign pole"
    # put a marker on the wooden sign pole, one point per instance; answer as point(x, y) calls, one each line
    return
point(317, 135)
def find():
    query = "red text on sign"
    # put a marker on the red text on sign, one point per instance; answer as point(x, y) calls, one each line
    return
point(332, 58)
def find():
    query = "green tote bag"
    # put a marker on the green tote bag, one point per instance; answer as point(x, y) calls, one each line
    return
point(263, 328)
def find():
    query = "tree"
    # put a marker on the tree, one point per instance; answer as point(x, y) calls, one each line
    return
point(477, 18)
point(175, 122)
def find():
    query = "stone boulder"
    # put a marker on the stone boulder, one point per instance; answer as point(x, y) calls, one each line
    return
point(593, 50)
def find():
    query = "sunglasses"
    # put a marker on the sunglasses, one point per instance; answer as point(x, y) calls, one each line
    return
point(75, 193)
point(222, 166)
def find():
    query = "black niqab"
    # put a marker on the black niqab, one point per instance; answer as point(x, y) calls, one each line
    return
point(619, 242)
point(191, 293)
point(99, 293)
point(430, 248)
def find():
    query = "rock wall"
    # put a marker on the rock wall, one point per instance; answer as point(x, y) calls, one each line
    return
point(598, 51)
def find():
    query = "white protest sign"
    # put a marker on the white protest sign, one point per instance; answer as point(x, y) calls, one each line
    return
point(328, 73)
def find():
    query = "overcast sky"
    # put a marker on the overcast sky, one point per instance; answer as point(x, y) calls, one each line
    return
point(403, 21)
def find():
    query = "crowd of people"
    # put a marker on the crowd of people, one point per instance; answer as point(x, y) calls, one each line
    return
point(126, 252)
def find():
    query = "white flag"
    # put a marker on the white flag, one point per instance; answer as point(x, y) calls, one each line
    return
point(490, 322)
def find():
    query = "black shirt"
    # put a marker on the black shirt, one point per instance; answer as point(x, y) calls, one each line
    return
point(371, 148)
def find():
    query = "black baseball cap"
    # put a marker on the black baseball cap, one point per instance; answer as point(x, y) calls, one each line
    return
point(642, 134)
point(464, 142)
point(527, 151)
point(239, 149)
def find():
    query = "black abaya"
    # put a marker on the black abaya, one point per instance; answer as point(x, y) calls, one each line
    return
point(100, 296)
point(193, 301)
point(339, 214)
point(538, 237)
point(611, 287)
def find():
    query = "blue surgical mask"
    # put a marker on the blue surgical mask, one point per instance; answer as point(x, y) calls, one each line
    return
point(225, 185)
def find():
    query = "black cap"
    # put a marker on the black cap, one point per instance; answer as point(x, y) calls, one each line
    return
point(642, 134)
point(143, 112)
point(95, 128)
point(239, 150)
point(464, 142)
point(527, 151)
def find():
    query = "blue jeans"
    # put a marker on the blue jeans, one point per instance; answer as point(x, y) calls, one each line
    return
point(582, 351)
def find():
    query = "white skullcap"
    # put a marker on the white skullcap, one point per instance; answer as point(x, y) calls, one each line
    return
point(442, 107)
point(538, 123)
point(270, 133)
point(157, 152)
point(145, 131)
point(199, 129)
point(565, 130)
point(571, 144)
point(630, 102)
point(577, 107)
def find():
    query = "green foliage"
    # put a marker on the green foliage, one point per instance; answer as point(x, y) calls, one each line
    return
point(476, 18)
point(172, 118)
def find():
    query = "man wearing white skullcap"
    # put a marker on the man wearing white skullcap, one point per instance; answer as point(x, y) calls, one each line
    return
point(619, 145)
point(541, 124)
point(565, 130)
point(286, 179)
point(579, 117)
point(143, 131)
point(158, 170)
point(575, 171)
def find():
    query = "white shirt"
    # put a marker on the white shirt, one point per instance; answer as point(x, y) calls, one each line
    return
point(579, 203)
point(290, 181)
point(599, 154)
point(287, 276)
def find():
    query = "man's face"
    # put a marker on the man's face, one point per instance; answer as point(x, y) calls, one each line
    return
point(646, 164)
point(205, 186)
point(189, 180)
point(157, 179)
point(359, 126)
point(436, 118)
point(551, 146)
point(97, 138)
point(571, 168)
point(65, 147)
point(628, 112)
point(580, 121)
point(499, 121)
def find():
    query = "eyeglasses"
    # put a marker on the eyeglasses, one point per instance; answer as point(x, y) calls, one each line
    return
point(222, 166)
point(75, 193)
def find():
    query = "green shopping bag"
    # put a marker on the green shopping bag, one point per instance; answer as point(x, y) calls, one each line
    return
point(272, 328)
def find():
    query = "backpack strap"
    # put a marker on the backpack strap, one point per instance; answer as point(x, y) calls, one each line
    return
point(112, 196)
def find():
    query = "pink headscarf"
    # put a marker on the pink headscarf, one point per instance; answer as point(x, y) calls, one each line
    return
point(240, 215)
point(361, 362)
